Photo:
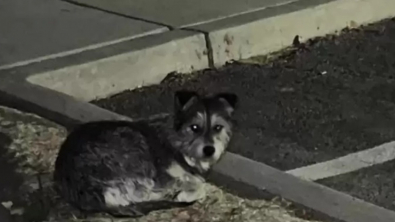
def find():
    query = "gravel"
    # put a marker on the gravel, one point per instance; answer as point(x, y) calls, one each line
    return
point(35, 141)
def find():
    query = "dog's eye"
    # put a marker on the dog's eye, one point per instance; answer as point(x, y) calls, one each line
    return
point(218, 128)
point(195, 128)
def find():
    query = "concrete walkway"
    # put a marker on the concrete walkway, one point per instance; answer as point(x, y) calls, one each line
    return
point(35, 30)
point(181, 13)
point(93, 49)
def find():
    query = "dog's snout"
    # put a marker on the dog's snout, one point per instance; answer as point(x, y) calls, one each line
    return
point(208, 151)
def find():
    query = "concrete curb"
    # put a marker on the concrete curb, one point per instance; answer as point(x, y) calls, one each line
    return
point(105, 71)
point(309, 194)
point(271, 29)
point(55, 106)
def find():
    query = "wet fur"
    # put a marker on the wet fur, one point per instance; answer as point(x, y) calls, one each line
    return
point(131, 168)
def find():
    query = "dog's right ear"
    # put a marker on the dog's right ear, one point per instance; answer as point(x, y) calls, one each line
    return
point(184, 99)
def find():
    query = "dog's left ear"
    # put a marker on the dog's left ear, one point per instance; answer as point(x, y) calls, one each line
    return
point(231, 100)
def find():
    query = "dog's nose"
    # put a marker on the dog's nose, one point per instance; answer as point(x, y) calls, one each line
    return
point(208, 151)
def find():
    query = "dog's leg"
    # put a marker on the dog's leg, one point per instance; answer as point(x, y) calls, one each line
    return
point(147, 207)
point(125, 211)
point(144, 208)
point(193, 195)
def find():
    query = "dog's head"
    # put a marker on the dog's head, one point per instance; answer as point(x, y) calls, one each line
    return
point(203, 126)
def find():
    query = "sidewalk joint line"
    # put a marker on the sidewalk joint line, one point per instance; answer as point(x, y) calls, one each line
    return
point(119, 14)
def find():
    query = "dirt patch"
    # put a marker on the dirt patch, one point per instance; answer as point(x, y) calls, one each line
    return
point(28, 145)
point(34, 140)
point(218, 206)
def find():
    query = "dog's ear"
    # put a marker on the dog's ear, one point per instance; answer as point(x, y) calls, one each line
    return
point(184, 98)
point(230, 99)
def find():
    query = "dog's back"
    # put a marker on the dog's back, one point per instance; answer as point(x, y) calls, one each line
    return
point(104, 154)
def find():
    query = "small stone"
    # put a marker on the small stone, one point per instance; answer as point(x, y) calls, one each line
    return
point(17, 211)
point(7, 204)
point(287, 89)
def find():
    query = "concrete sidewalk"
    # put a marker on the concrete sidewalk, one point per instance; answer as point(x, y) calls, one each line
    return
point(180, 13)
point(35, 30)
point(93, 49)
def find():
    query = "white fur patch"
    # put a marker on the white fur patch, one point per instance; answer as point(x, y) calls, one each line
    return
point(190, 186)
point(222, 139)
point(219, 146)
point(114, 198)
point(201, 116)
point(176, 171)
point(125, 192)
point(188, 197)
point(191, 162)
point(205, 165)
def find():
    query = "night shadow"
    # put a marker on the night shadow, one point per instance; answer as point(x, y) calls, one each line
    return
point(13, 188)
point(11, 180)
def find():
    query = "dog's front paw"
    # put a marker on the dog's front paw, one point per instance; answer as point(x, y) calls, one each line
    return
point(191, 196)
point(124, 212)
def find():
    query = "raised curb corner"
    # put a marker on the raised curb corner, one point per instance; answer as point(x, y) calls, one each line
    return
point(274, 28)
point(127, 65)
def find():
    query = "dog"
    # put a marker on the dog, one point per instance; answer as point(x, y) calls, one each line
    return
point(130, 168)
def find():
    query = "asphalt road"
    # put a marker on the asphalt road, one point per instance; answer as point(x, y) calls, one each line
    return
point(374, 184)
point(318, 101)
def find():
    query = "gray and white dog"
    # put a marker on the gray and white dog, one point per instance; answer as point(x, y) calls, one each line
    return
point(131, 168)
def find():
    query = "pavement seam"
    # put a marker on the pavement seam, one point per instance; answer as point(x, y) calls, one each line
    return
point(209, 47)
point(119, 14)
point(210, 55)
